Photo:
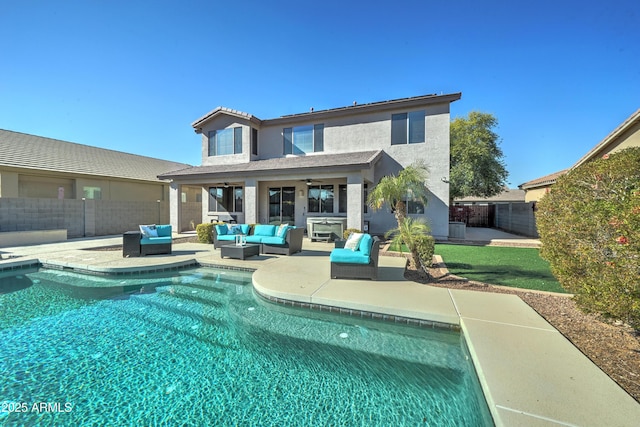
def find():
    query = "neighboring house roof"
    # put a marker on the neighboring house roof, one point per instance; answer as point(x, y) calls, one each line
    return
point(333, 112)
point(544, 181)
point(609, 143)
point(361, 159)
point(508, 195)
point(20, 150)
point(611, 140)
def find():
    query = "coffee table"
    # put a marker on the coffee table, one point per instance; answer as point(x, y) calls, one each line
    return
point(239, 252)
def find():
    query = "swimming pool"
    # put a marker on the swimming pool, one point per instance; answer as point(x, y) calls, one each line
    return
point(197, 347)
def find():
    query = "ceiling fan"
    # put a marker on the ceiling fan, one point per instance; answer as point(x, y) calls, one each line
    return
point(310, 181)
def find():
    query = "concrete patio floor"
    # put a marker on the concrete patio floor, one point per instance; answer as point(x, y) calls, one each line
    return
point(530, 373)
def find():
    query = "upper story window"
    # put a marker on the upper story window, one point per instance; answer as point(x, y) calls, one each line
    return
point(407, 128)
point(303, 139)
point(225, 141)
point(254, 141)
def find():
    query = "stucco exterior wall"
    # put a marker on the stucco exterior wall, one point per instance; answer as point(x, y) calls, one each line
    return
point(226, 122)
point(8, 184)
point(535, 194)
point(364, 132)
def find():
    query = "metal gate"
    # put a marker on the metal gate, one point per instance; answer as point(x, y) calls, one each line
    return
point(474, 215)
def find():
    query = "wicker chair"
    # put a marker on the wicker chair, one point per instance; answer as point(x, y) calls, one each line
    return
point(343, 270)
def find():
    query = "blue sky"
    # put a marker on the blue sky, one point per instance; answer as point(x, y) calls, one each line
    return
point(133, 75)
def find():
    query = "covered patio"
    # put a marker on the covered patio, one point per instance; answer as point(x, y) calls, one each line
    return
point(291, 190)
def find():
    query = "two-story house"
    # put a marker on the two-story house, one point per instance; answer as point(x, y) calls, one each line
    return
point(319, 164)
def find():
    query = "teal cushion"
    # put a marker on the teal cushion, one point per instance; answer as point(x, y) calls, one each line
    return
point(365, 245)
point(221, 229)
point(342, 255)
point(163, 230)
point(255, 239)
point(227, 238)
point(273, 240)
point(265, 230)
point(244, 228)
point(155, 240)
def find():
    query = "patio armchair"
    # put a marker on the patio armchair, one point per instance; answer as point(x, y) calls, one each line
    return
point(361, 263)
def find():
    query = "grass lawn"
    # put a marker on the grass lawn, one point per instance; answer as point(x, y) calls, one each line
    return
point(516, 267)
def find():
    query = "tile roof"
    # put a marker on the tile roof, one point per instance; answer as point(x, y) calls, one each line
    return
point(355, 108)
point(542, 181)
point(281, 165)
point(20, 150)
point(508, 195)
point(224, 110)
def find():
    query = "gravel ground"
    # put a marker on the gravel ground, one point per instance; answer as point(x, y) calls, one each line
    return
point(613, 347)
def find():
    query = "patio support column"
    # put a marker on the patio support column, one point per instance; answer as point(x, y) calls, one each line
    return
point(251, 201)
point(355, 201)
point(174, 206)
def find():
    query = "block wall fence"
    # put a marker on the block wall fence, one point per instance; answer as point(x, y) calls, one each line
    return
point(81, 218)
point(517, 218)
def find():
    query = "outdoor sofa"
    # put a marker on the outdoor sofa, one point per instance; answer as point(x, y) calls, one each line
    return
point(273, 239)
point(150, 240)
point(360, 262)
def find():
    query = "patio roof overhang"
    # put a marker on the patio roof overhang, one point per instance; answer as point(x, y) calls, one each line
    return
point(308, 164)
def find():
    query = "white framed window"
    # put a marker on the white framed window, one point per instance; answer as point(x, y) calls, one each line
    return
point(407, 128)
point(224, 142)
point(226, 199)
point(94, 193)
point(320, 199)
point(303, 139)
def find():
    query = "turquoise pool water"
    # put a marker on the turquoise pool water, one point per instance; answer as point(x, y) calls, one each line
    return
point(197, 347)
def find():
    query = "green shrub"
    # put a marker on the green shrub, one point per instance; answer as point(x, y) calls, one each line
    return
point(425, 245)
point(205, 232)
point(349, 231)
point(589, 225)
point(409, 232)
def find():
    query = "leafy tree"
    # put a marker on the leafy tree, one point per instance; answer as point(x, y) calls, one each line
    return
point(589, 226)
point(393, 190)
point(477, 165)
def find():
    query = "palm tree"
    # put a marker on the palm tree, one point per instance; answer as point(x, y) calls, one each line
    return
point(407, 233)
point(393, 190)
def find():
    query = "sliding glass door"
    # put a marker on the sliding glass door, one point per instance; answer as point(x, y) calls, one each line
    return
point(282, 203)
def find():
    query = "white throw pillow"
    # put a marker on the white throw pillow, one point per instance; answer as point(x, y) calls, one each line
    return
point(149, 230)
point(353, 242)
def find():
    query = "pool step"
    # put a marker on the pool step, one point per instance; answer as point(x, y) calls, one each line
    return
point(188, 308)
point(440, 349)
point(202, 326)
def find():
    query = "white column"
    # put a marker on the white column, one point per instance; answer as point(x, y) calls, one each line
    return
point(355, 201)
point(251, 201)
point(174, 206)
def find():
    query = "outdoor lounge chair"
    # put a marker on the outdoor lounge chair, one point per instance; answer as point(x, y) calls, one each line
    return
point(359, 264)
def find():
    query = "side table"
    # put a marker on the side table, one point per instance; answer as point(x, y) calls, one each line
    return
point(131, 244)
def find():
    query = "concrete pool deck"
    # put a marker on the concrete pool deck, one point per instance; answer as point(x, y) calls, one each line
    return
point(530, 373)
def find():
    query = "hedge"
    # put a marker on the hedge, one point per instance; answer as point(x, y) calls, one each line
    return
point(589, 225)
